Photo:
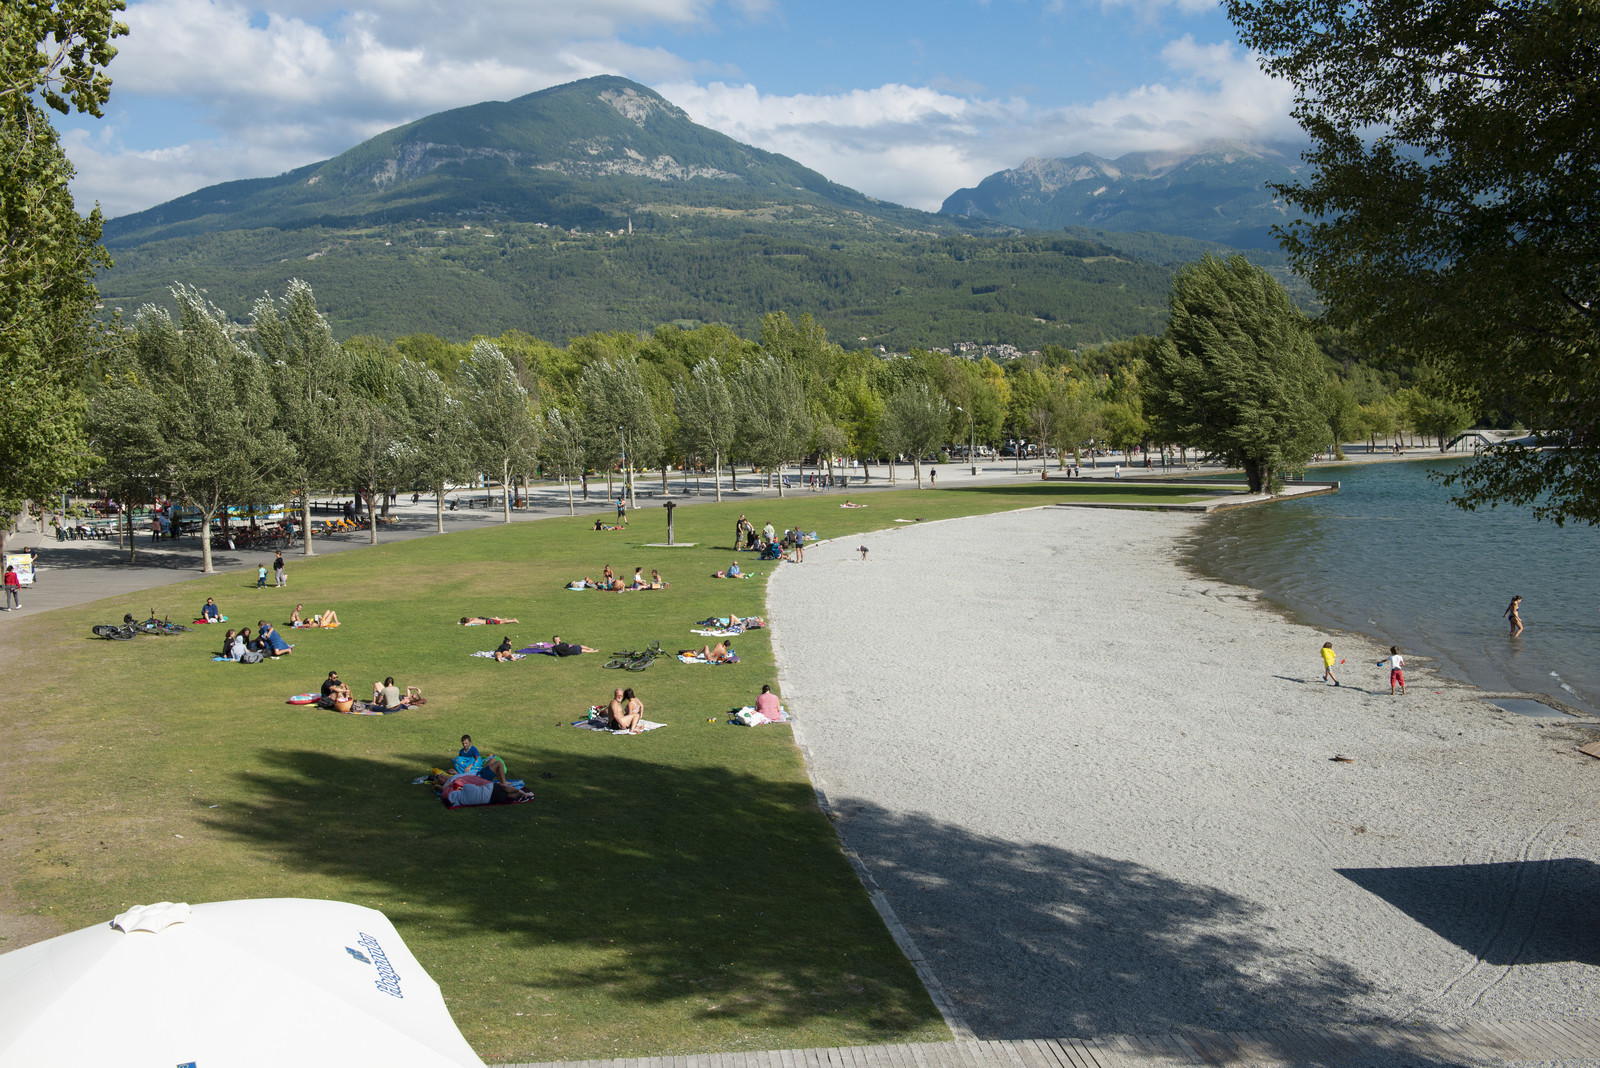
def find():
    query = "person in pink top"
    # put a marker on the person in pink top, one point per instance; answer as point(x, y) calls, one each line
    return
point(767, 704)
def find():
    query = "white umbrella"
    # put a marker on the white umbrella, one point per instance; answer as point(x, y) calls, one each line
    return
point(231, 984)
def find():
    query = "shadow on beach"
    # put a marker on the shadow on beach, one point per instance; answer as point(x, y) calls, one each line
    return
point(1035, 940)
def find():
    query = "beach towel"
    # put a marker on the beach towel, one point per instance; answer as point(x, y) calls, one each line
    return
point(223, 660)
point(367, 708)
point(537, 649)
point(305, 699)
point(725, 632)
point(733, 658)
point(594, 725)
point(490, 655)
point(749, 717)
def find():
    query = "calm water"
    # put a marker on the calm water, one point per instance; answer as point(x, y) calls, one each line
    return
point(1389, 556)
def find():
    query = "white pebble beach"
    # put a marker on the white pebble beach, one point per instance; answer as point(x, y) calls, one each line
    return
point(1100, 792)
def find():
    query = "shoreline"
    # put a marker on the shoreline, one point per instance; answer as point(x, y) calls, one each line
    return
point(1100, 792)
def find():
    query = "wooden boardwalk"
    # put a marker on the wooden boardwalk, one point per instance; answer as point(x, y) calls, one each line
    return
point(1571, 1040)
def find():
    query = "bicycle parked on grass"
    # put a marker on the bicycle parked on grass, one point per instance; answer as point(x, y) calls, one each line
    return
point(635, 659)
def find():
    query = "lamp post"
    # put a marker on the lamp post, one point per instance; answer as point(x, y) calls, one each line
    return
point(972, 442)
point(627, 471)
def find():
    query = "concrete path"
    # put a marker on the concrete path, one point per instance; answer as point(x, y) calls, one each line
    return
point(1559, 1041)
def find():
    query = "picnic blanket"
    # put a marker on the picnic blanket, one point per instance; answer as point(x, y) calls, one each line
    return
point(537, 649)
point(733, 658)
point(489, 655)
point(599, 725)
point(723, 632)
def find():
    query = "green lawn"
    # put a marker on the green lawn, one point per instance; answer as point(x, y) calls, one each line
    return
point(673, 892)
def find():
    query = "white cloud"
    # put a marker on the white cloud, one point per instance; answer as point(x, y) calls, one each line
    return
point(916, 146)
point(280, 90)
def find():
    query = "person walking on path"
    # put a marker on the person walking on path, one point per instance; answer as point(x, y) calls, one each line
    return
point(1513, 615)
point(1327, 663)
point(13, 589)
point(1397, 670)
point(278, 570)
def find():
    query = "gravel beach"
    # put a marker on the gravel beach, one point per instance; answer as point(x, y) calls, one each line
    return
point(1102, 793)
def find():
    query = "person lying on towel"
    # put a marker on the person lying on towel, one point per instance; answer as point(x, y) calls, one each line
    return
point(561, 648)
point(468, 762)
point(479, 621)
point(458, 790)
point(712, 654)
point(330, 618)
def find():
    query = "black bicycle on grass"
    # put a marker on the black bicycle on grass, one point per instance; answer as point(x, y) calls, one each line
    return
point(635, 659)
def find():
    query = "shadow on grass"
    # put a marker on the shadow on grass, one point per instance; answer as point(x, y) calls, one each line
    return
point(1035, 940)
point(703, 886)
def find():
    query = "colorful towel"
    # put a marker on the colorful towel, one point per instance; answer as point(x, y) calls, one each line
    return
point(733, 658)
point(538, 648)
point(367, 708)
point(592, 725)
point(733, 632)
point(488, 655)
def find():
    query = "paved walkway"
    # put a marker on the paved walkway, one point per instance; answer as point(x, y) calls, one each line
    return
point(1528, 1041)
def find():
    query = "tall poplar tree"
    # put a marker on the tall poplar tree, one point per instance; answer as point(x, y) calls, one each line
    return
point(1237, 372)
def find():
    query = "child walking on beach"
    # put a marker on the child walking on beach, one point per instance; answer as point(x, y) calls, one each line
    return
point(1327, 663)
point(1397, 670)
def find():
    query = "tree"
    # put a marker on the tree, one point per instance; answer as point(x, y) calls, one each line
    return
point(1432, 414)
point(563, 449)
point(1237, 372)
point(506, 435)
point(771, 411)
point(705, 416)
point(437, 449)
point(209, 396)
point(382, 426)
point(311, 381)
point(1454, 172)
point(124, 425)
point(618, 412)
point(54, 53)
point(917, 420)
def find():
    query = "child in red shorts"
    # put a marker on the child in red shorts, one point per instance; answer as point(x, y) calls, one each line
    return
point(1397, 670)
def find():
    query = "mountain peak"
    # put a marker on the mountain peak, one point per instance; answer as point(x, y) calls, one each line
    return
point(1219, 191)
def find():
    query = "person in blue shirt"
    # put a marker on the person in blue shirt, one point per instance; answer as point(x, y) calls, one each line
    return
point(211, 613)
point(468, 750)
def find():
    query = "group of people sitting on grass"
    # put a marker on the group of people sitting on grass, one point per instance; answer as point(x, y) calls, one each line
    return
point(337, 696)
point(772, 545)
point(266, 643)
point(609, 580)
point(476, 780)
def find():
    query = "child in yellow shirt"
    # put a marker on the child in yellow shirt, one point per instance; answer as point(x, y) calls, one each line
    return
point(1327, 663)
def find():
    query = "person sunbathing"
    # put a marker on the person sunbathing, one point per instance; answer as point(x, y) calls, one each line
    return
point(503, 650)
point(656, 582)
point(851, 504)
point(561, 648)
point(387, 695)
point(585, 583)
point(631, 716)
point(478, 621)
point(330, 618)
point(460, 790)
point(612, 710)
point(712, 654)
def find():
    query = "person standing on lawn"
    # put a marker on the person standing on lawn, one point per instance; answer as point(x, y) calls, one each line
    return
point(278, 569)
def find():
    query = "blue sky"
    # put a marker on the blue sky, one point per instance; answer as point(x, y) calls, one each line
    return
point(904, 101)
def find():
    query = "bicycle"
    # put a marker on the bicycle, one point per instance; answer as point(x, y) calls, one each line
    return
point(113, 633)
point(154, 625)
point(635, 659)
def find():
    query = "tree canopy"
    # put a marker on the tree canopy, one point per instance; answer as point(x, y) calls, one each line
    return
point(1237, 372)
point(1452, 206)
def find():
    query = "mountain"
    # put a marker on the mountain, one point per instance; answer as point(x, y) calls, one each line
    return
point(1217, 194)
point(586, 154)
point(599, 205)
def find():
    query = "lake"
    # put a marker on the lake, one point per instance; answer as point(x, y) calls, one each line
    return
point(1389, 556)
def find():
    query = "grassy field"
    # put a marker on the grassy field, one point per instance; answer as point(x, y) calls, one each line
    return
point(671, 892)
